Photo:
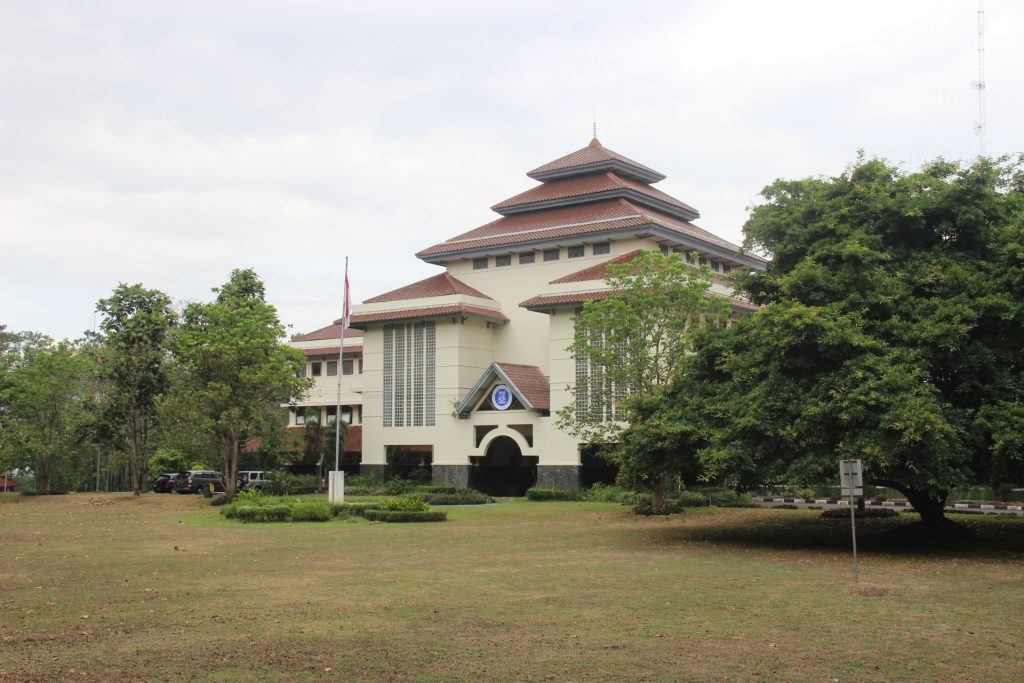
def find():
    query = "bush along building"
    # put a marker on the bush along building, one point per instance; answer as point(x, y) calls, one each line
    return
point(462, 372)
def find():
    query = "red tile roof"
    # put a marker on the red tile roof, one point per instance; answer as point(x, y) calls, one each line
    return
point(530, 382)
point(598, 272)
point(589, 184)
point(332, 350)
point(429, 312)
point(579, 220)
point(592, 154)
point(442, 284)
point(332, 331)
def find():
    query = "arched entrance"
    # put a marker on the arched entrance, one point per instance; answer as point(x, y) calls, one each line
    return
point(504, 471)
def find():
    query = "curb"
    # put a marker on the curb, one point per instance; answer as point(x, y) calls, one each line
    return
point(891, 504)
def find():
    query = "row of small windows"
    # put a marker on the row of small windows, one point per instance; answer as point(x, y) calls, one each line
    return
point(318, 368)
point(553, 254)
point(716, 266)
point(313, 414)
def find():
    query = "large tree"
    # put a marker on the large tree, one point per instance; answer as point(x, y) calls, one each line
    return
point(631, 343)
point(236, 371)
point(892, 332)
point(134, 353)
point(45, 406)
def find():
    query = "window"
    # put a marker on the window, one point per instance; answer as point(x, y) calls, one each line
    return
point(480, 263)
point(409, 377)
point(690, 259)
point(575, 252)
point(505, 260)
point(346, 366)
point(703, 261)
point(726, 268)
point(716, 266)
point(552, 254)
point(665, 250)
point(346, 414)
point(602, 248)
point(332, 414)
point(315, 368)
point(300, 416)
point(332, 368)
point(527, 257)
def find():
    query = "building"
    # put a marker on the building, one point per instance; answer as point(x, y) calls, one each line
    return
point(467, 367)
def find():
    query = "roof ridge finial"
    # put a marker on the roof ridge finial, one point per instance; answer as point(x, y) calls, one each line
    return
point(594, 142)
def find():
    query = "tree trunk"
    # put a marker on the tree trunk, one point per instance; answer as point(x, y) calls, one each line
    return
point(930, 505)
point(658, 493)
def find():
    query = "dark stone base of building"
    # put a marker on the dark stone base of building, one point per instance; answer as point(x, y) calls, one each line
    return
point(450, 475)
point(378, 471)
point(558, 477)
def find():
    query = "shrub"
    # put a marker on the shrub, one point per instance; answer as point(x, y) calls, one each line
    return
point(366, 480)
point(645, 506)
point(396, 486)
point(409, 504)
point(357, 509)
point(405, 516)
point(263, 513)
point(280, 483)
point(441, 488)
point(604, 493)
point(536, 493)
point(730, 499)
point(463, 498)
point(693, 499)
point(312, 511)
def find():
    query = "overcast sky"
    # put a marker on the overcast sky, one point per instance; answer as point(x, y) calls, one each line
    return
point(169, 142)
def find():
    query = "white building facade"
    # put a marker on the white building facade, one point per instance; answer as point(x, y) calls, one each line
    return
point(470, 365)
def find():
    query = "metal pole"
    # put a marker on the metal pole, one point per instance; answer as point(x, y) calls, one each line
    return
point(853, 531)
point(341, 370)
point(97, 469)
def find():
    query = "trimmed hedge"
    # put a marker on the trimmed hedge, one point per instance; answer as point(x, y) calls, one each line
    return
point(263, 513)
point(357, 509)
point(312, 511)
point(536, 493)
point(464, 498)
point(430, 489)
point(645, 506)
point(398, 516)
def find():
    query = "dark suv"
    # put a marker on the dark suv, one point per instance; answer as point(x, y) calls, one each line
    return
point(194, 481)
point(165, 483)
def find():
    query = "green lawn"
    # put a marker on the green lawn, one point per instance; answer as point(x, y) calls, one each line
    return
point(112, 587)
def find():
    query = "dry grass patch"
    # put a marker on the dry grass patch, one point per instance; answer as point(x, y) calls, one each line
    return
point(123, 588)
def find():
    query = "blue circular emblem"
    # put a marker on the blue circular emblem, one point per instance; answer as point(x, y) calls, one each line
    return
point(501, 397)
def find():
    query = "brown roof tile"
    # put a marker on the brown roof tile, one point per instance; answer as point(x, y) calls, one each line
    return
point(530, 382)
point(564, 188)
point(594, 153)
point(442, 284)
point(428, 312)
point(579, 220)
point(332, 331)
point(597, 272)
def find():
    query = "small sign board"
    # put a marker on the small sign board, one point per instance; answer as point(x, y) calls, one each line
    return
point(851, 477)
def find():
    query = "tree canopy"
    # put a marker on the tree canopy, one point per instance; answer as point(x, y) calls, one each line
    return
point(235, 369)
point(892, 331)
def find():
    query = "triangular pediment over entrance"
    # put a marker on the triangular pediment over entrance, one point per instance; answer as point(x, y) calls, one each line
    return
point(526, 384)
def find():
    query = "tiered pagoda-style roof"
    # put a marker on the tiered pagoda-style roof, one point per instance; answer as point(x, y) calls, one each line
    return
point(443, 286)
point(589, 195)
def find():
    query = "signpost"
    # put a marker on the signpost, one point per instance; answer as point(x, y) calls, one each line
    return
point(851, 480)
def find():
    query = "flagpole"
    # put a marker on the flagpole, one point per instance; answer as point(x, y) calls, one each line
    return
point(341, 370)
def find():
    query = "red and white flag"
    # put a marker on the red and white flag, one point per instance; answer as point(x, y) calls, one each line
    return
point(346, 317)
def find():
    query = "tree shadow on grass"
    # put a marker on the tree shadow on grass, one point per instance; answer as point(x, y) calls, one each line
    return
point(997, 537)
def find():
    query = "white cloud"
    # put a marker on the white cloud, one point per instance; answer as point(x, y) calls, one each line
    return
point(171, 142)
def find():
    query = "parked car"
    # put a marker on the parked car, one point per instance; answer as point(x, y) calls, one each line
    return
point(193, 481)
point(165, 483)
point(252, 479)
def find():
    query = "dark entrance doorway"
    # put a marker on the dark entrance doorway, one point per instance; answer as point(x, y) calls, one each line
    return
point(504, 471)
